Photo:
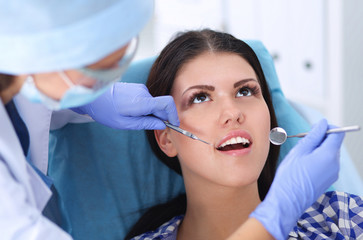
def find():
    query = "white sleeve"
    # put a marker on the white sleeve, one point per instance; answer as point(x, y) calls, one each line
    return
point(19, 219)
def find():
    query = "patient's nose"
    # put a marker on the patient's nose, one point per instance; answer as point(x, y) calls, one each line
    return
point(230, 113)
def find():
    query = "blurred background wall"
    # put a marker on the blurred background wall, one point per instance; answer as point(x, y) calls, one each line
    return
point(317, 46)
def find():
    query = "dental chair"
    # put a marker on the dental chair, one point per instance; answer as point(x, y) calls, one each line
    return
point(108, 178)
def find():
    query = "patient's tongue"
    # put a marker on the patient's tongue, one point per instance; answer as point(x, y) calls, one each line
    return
point(232, 147)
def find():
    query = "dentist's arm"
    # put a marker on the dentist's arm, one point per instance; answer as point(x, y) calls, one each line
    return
point(130, 106)
point(310, 168)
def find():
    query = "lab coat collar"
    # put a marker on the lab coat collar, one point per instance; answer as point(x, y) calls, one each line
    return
point(11, 153)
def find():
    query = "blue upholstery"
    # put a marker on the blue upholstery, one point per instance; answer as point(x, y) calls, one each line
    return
point(108, 177)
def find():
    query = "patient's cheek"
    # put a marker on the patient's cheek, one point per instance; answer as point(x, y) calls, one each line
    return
point(189, 149)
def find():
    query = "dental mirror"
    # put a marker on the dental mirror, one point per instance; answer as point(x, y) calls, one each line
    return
point(278, 135)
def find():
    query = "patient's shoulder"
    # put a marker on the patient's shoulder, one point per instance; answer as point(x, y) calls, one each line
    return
point(335, 215)
point(167, 231)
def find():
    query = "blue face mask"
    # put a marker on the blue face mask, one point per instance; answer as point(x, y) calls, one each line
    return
point(75, 96)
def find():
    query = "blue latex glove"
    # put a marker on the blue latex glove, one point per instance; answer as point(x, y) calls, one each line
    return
point(130, 106)
point(309, 169)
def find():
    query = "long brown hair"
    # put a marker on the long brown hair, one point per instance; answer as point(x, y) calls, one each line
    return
point(185, 47)
point(5, 81)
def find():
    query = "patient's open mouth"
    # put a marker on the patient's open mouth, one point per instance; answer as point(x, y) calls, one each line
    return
point(235, 143)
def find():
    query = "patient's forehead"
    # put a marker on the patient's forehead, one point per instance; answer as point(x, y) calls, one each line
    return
point(212, 68)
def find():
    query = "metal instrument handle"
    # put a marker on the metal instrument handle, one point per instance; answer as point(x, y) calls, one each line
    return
point(184, 132)
point(333, 130)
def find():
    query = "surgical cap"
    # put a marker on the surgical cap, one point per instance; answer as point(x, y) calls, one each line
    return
point(49, 35)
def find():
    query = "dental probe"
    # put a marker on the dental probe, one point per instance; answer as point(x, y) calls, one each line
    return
point(186, 133)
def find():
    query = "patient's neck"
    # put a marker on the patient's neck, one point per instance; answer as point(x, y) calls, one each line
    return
point(216, 212)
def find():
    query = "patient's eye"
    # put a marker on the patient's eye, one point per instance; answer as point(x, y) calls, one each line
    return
point(247, 91)
point(199, 97)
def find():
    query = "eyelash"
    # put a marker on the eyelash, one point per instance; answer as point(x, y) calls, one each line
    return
point(196, 95)
point(252, 90)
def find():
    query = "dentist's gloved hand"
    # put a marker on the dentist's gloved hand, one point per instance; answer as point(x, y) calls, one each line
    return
point(130, 106)
point(309, 169)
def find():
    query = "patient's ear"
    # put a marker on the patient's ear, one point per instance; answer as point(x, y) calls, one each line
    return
point(164, 142)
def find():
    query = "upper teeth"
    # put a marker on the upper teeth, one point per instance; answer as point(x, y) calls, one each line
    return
point(235, 141)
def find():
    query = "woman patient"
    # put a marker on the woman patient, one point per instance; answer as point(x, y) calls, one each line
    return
point(222, 97)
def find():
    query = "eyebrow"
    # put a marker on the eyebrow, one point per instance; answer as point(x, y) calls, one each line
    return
point(206, 87)
point(211, 88)
point(241, 82)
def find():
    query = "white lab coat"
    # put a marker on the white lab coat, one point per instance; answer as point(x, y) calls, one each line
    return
point(39, 121)
point(23, 194)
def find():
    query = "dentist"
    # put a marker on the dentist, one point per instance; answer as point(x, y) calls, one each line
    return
point(63, 54)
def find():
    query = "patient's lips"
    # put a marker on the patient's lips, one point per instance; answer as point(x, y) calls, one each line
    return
point(235, 142)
